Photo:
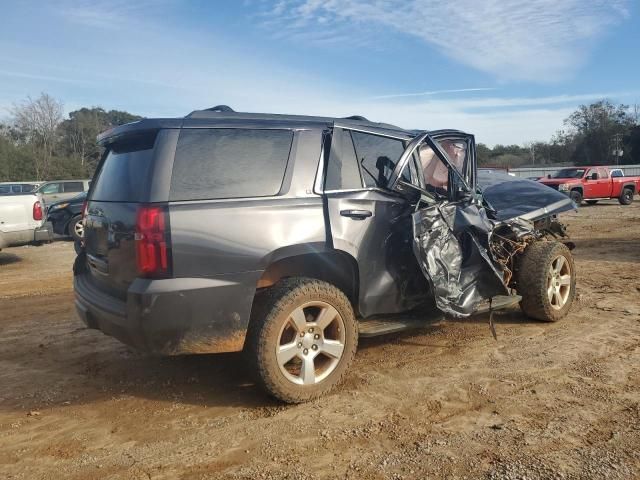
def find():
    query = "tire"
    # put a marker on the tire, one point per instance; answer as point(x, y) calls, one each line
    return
point(626, 197)
point(289, 317)
point(576, 196)
point(76, 228)
point(546, 280)
point(592, 202)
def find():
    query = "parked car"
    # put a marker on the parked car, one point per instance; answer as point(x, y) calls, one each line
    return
point(7, 188)
point(66, 217)
point(22, 220)
point(593, 184)
point(58, 190)
point(289, 237)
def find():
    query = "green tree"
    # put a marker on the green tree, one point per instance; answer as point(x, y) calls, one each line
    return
point(83, 126)
point(595, 127)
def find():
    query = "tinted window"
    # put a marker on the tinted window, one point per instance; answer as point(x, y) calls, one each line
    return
point(377, 156)
point(5, 188)
point(342, 169)
point(73, 187)
point(229, 163)
point(124, 175)
point(616, 173)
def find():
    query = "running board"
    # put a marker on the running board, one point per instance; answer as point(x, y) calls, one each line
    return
point(377, 326)
point(499, 302)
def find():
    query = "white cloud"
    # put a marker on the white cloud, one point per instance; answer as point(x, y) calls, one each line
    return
point(539, 40)
point(433, 92)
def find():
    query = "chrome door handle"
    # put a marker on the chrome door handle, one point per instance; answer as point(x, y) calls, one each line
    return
point(356, 214)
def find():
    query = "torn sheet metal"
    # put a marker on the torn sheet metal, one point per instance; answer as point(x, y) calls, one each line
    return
point(450, 243)
point(512, 197)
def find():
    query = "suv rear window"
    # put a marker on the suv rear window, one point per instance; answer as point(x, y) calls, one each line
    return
point(229, 163)
point(125, 171)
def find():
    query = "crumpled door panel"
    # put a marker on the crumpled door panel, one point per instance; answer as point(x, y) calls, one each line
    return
point(450, 243)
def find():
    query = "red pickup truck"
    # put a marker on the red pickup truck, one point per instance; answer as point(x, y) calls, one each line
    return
point(594, 183)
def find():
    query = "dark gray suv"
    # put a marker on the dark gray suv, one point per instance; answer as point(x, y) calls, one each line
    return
point(289, 236)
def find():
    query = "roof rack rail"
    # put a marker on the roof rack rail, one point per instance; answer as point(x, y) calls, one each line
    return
point(356, 117)
point(220, 108)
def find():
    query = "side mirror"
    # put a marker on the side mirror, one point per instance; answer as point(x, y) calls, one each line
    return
point(548, 175)
point(593, 176)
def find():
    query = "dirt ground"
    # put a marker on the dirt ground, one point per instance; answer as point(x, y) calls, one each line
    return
point(544, 401)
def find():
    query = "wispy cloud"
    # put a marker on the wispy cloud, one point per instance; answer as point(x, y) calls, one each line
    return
point(433, 92)
point(537, 40)
point(105, 14)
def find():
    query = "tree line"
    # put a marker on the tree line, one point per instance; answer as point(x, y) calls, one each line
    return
point(39, 143)
point(593, 134)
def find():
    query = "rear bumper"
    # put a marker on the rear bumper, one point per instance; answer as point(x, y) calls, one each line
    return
point(172, 316)
point(26, 237)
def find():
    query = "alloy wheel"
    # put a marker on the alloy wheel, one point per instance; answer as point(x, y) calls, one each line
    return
point(311, 343)
point(559, 282)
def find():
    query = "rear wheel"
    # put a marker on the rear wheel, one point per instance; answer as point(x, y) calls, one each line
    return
point(76, 228)
point(626, 197)
point(546, 281)
point(576, 196)
point(303, 337)
point(592, 202)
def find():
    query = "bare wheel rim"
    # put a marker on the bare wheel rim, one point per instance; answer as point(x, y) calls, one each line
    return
point(559, 282)
point(78, 228)
point(310, 343)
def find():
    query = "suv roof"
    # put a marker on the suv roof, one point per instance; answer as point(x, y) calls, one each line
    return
point(223, 116)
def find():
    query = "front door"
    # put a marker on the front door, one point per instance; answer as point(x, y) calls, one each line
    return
point(450, 227)
point(371, 223)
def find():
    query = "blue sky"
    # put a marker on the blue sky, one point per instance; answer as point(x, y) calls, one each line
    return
point(507, 70)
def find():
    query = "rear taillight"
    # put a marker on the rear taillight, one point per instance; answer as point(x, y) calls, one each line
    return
point(37, 210)
point(152, 241)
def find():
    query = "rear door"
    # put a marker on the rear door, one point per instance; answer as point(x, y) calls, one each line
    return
point(370, 222)
point(604, 183)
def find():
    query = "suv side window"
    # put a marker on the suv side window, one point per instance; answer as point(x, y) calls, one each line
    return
point(72, 187)
point(219, 163)
point(51, 188)
point(603, 173)
point(377, 156)
point(342, 168)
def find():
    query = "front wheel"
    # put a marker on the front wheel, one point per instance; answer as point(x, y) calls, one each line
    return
point(76, 228)
point(303, 337)
point(546, 280)
point(626, 197)
point(576, 196)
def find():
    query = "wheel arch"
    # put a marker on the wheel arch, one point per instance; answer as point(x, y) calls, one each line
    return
point(631, 186)
point(69, 222)
point(332, 266)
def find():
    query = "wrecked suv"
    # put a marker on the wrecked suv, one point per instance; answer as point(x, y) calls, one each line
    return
point(289, 237)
